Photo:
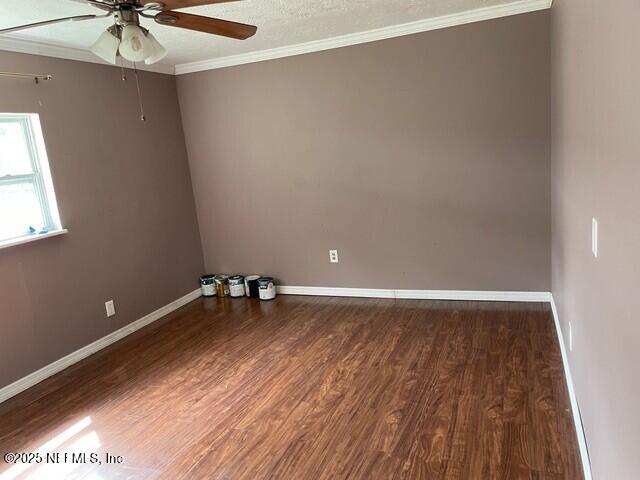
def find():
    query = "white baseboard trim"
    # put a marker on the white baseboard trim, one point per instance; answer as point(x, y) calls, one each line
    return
point(486, 296)
point(472, 296)
point(577, 420)
point(59, 365)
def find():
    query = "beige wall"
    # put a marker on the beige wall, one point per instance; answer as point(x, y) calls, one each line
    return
point(423, 159)
point(125, 195)
point(596, 169)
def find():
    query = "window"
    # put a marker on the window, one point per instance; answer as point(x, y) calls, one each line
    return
point(27, 200)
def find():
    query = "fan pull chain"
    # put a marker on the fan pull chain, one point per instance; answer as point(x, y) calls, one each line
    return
point(124, 75)
point(138, 86)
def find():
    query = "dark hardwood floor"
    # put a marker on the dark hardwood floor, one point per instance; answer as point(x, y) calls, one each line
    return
point(311, 388)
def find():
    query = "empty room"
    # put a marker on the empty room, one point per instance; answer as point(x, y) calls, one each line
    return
point(291, 240)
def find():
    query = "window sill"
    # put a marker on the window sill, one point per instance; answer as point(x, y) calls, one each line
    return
point(12, 242)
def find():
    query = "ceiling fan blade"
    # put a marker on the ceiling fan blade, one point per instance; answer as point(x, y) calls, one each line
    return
point(77, 18)
point(239, 31)
point(174, 4)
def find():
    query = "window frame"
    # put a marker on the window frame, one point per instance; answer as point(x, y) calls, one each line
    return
point(40, 177)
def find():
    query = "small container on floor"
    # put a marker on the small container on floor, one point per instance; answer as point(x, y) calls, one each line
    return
point(207, 286)
point(236, 286)
point(251, 286)
point(267, 288)
point(222, 285)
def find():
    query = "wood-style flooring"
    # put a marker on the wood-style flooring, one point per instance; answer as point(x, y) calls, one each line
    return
point(310, 388)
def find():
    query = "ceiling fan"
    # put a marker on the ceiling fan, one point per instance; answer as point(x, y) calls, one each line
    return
point(127, 38)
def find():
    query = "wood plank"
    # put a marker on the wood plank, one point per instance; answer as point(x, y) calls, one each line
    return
point(314, 387)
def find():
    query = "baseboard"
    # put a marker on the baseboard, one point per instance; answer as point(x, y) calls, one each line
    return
point(470, 296)
point(486, 296)
point(577, 420)
point(59, 365)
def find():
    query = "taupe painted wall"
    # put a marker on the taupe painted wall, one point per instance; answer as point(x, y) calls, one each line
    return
point(596, 171)
point(124, 193)
point(424, 160)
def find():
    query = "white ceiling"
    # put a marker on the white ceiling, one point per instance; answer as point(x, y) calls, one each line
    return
point(280, 23)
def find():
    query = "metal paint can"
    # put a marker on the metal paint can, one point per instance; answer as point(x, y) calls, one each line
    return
point(267, 288)
point(222, 285)
point(207, 286)
point(251, 286)
point(236, 286)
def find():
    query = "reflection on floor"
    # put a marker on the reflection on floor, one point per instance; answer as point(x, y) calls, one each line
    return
point(49, 461)
point(308, 388)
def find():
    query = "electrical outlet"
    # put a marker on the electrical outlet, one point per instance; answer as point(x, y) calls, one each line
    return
point(594, 237)
point(111, 308)
point(333, 256)
point(570, 338)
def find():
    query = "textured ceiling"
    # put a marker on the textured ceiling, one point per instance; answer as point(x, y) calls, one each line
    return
point(280, 22)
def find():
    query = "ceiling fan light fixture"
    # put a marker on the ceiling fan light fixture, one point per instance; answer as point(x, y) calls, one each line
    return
point(158, 51)
point(106, 47)
point(135, 46)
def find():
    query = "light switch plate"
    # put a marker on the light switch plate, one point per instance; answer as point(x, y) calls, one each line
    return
point(570, 337)
point(111, 308)
point(594, 237)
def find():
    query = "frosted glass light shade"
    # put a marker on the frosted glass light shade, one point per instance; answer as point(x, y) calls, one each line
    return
point(106, 47)
point(135, 46)
point(159, 52)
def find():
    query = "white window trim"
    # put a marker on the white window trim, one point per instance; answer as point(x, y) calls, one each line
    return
point(12, 242)
point(41, 178)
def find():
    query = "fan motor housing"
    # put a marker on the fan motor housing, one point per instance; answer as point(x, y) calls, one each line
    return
point(127, 16)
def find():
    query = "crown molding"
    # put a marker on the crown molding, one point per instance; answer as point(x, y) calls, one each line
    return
point(18, 45)
point(463, 18)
